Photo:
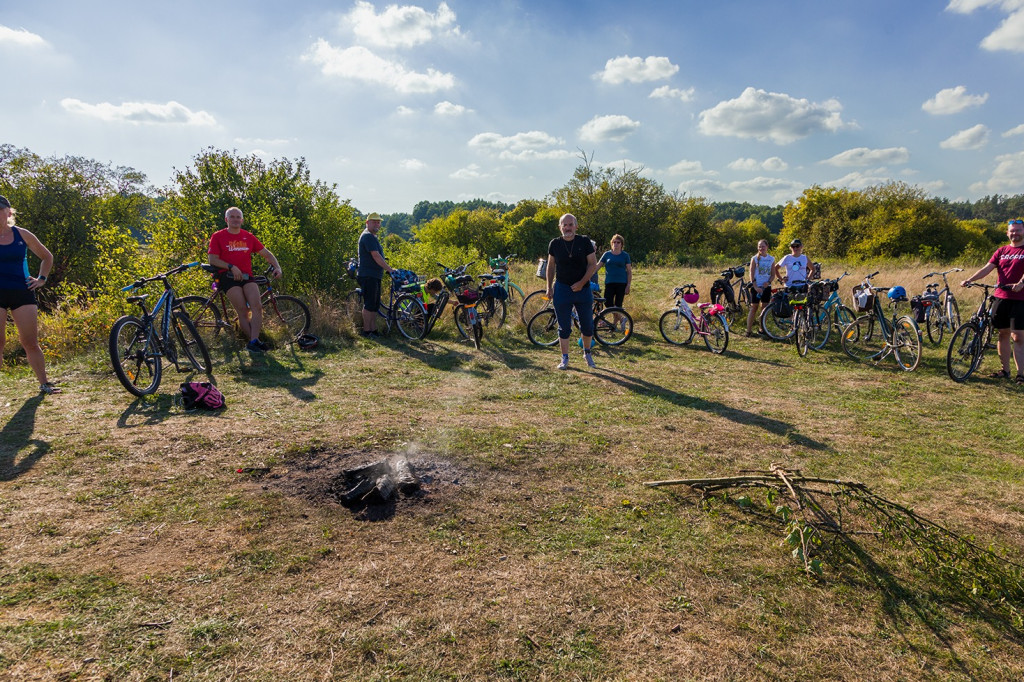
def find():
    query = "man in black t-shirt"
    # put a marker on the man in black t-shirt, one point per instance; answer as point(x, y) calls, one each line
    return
point(571, 263)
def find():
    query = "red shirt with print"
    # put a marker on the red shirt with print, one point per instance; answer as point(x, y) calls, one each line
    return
point(1009, 262)
point(235, 249)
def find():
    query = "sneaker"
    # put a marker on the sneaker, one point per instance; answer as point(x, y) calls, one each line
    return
point(48, 388)
point(564, 364)
point(590, 360)
point(254, 347)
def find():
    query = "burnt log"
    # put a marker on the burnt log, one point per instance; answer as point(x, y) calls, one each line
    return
point(379, 481)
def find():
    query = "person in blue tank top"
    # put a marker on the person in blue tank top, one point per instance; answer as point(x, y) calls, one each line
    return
point(18, 290)
point(618, 274)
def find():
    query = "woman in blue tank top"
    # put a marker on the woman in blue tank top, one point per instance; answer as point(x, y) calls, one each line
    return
point(17, 290)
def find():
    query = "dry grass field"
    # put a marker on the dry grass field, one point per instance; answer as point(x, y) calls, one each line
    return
point(139, 541)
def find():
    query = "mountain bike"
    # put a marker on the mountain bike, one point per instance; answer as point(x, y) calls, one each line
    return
point(612, 326)
point(679, 325)
point(284, 316)
point(723, 293)
point(971, 339)
point(402, 309)
point(874, 336)
point(139, 345)
point(944, 314)
point(781, 328)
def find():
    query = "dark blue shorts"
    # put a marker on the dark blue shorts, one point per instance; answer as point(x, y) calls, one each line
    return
point(371, 293)
point(15, 298)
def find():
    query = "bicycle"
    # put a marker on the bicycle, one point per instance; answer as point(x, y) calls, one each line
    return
point(806, 328)
point(139, 345)
point(971, 339)
point(542, 329)
point(487, 306)
point(781, 328)
point(943, 314)
point(402, 309)
point(874, 336)
point(499, 270)
point(679, 324)
point(723, 293)
point(283, 315)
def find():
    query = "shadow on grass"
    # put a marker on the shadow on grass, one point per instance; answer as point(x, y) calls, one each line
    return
point(469, 360)
point(16, 435)
point(775, 426)
point(263, 370)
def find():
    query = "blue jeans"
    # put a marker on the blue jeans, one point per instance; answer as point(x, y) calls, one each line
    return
point(565, 299)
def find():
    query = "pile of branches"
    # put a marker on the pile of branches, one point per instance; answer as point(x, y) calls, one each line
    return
point(816, 512)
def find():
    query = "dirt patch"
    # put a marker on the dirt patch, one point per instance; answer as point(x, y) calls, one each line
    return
point(318, 477)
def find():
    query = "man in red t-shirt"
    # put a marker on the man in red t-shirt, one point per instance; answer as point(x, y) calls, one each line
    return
point(231, 250)
point(1008, 311)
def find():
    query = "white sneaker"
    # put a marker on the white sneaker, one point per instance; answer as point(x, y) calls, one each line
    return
point(563, 364)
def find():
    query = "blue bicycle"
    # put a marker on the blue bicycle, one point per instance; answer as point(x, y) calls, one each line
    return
point(139, 345)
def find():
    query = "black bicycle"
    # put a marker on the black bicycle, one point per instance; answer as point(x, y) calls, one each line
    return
point(139, 345)
point(972, 338)
point(723, 292)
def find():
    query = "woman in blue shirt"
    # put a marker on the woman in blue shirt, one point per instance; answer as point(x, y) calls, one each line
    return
point(18, 290)
point(618, 274)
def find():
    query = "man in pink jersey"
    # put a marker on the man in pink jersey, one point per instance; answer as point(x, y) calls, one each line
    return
point(231, 250)
point(1008, 312)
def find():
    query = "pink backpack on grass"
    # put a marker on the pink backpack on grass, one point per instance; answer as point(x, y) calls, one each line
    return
point(201, 395)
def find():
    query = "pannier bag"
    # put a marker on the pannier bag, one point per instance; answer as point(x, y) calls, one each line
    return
point(780, 304)
point(722, 288)
point(919, 307)
point(494, 291)
point(815, 271)
point(542, 268)
point(201, 395)
point(863, 298)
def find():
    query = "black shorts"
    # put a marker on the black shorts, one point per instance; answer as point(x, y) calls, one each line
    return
point(764, 297)
point(1008, 314)
point(371, 293)
point(614, 293)
point(15, 298)
point(225, 281)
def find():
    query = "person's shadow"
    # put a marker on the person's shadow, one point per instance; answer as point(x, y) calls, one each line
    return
point(16, 435)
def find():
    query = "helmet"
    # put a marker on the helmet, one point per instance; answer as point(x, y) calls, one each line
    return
point(691, 296)
point(739, 270)
point(897, 293)
point(307, 341)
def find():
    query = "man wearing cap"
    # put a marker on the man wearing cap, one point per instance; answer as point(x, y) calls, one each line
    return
point(1008, 312)
point(792, 269)
point(370, 272)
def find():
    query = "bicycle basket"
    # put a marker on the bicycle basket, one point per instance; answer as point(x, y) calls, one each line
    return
point(816, 293)
point(863, 298)
point(468, 296)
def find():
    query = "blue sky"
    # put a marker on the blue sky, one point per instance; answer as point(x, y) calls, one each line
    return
point(745, 100)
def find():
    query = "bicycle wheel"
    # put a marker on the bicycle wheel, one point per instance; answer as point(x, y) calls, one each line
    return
point(542, 329)
point(821, 327)
point(190, 343)
point(285, 317)
point(775, 327)
point(492, 312)
point(843, 316)
point(717, 338)
point(461, 321)
point(410, 317)
point(478, 333)
point(863, 340)
point(610, 331)
point(906, 344)
point(952, 312)
point(533, 304)
point(802, 326)
point(935, 325)
point(676, 327)
point(965, 351)
point(206, 317)
point(134, 355)
point(354, 310)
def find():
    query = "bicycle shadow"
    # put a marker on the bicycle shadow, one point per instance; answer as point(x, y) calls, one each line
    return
point(471, 361)
point(265, 371)
point(16, 435)
point(734, 414)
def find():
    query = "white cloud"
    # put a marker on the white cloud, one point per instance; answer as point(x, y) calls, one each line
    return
point(263, 142)
point(20, 38)
point(862, 156)
point(626, 165)
point(666, 92)
point(603, 128)
point(1010, 34)
point(1019, 130)
point(685, 167)
point(470, 172)
point(636, 70)
point(764, 184)
point(411, 164)
point(974, 137)
point(772, 163)
point(140, 112)
point(530, 146)
point(702, 186)
point(358, 63)
point(396, 26)
point(771, 116)
point(953, 101)
point(861, 179)
point(448, 109)
point(403, 110)
point(1007, 178)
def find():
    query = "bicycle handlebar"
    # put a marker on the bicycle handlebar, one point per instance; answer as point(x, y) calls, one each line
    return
point(142, 281)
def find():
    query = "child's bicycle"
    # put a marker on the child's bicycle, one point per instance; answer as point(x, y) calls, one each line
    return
point(679, 324)
point(612, 326)
point(139, 345)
